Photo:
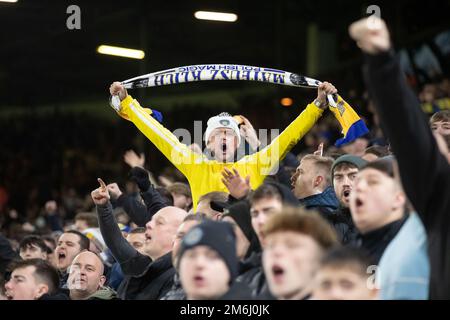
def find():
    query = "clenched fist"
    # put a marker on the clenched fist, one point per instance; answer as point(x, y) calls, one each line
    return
point(324, 89)
point(371, 35)
point(117, 88)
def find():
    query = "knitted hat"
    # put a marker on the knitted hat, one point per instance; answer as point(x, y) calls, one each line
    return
point(217, 235)
point(348, 158)
point(385, 165)
point(223, 120)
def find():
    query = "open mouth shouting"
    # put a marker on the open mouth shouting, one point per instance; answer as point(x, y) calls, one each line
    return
point(278, 273)
point(199, 280)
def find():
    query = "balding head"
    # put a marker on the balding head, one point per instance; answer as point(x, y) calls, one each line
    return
point(161, 230)
point(86, 275)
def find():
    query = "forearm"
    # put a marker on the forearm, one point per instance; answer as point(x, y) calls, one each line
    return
point(166, 142)
point(153, 201)
point(403, 121)
point(112, 235)
point(135, 209)
point(270, 156)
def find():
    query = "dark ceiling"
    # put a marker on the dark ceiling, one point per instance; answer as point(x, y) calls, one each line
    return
point(41, 61)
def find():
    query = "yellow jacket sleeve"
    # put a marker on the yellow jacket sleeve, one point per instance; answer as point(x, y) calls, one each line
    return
point(267, 159)
point(177, 153)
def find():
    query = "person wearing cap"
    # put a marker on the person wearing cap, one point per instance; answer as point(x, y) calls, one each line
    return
point(222, 138)
point(238, 215)
point(343, 173)
point(208, 264)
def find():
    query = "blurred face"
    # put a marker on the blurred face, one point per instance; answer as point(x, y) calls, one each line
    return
point(260, 212)
point(32, 252)
point(52, 256)
point(304, 179)
point(375, 201)
point(81, 225)
point(242, 243)
point(160, 231)
point(181, 232)
point(181, 201)
point(223, 143)
point(343, 183)
point(66, 250)
point(342, 284)
point(441, 127)
point(137, 240)
point(203, 274)
point(204, 206)
point(290, 260)
point(24, 286)
point(86, 274)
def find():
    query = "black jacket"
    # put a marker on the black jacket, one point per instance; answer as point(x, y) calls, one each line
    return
point(153, 283)
point(376, 241)
point(252, 275)
point(144, 279)
point(342, 222)
point(176, 292)
point(424, 171)
point(237, 291)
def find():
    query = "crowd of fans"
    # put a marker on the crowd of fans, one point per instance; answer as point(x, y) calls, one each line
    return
point(366, 220)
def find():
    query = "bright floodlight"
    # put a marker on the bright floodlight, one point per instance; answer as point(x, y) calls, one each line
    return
point(215, 16)
point(121, 52)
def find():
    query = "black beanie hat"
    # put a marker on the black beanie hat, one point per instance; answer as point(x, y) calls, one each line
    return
point(217, 235)
point(385, 165)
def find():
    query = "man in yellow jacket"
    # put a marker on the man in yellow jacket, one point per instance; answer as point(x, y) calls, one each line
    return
point(222, 138)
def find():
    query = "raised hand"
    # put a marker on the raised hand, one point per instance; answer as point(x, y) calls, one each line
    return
point(133, 160)
point(114, 190)
point(100, 196)
point(319, 151)
point(249, 133)
point(236, 185)
point(371, 35)
point(117, 88)
point(325, 89)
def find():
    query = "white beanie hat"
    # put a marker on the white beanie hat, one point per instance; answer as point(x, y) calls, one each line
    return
point(223, 120)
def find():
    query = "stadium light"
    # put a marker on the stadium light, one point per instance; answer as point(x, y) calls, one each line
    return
point(11, 1)
point(121, 52)
point(216, 16)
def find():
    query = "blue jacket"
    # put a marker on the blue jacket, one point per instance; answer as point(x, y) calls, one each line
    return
point(325, 202)
point(404, 269)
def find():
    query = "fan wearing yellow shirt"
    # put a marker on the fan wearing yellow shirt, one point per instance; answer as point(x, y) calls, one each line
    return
point(222, 138)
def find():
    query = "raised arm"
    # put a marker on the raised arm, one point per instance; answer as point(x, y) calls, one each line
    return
point(119, 246)
point(175, 151)
point(269, 157)
point(422, 166)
